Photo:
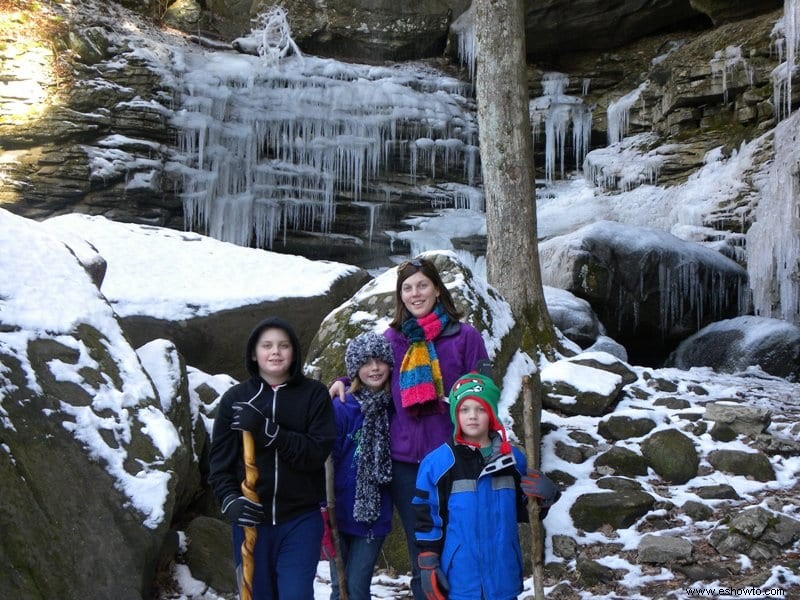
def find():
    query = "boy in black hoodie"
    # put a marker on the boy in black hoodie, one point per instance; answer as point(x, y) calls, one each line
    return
point(283, 422)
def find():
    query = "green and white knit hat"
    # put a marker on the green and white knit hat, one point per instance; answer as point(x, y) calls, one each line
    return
point(474, 386)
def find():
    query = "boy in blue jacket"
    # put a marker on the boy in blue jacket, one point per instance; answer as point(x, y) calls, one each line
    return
point(471, 493)
point(362, 463)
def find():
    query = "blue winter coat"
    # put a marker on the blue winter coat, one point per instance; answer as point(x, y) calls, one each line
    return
point(467, 512)
point(349, 420)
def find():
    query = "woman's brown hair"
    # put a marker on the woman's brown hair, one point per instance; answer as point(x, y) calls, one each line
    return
point(421, 265)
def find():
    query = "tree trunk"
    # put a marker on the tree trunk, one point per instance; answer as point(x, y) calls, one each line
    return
point(506, 145)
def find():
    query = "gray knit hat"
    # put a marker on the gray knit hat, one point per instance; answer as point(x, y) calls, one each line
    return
point(362, 348)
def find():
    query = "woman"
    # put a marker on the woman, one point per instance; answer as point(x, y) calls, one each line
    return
point(288, 420)
point(432, 348)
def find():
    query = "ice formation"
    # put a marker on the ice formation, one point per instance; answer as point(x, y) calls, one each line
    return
point(559, 112)
point(773, 242)
point(724, 62)
point(624, 165)
point(786, 36)
point(267, 145)
point(618, 113)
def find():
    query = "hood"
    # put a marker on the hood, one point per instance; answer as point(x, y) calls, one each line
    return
point(295, 370)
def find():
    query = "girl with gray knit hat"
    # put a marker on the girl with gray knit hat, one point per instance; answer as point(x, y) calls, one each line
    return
point(362, 462)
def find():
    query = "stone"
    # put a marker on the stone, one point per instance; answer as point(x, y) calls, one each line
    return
point(746, 420)
point(624, 427)
point(209, 555)
point(565, 547)
point(721, 491)
point(697, 511)
point(591, 572)
point(756, 532)
point(621, 461)
point(722, 11)
point(663, 549)
point(54, 428)
point(572, 316)
point(572, 454)
point(672, 403)
point(620, 509)
point(618, 484)
point(590, 400)
point(672, 455)
point(737, 462)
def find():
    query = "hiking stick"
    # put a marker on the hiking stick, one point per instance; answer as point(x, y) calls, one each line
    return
point(531, 421)
point(337, 559)
point(250, 533)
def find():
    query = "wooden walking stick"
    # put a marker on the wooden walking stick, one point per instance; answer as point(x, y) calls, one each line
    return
point(337, 559)
point(531, 421)
point(250, 533)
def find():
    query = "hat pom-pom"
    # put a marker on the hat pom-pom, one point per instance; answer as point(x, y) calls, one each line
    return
point(505, 447)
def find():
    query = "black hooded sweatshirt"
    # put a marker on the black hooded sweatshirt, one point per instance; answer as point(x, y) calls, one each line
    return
point(291, 471)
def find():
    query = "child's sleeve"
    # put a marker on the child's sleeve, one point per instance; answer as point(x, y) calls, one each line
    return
point(430, 501)
point(225, 452)
point(522, 499)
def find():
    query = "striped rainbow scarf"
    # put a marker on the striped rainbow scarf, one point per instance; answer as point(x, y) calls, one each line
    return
point(420, 374)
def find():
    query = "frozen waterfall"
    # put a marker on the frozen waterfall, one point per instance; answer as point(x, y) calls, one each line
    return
point(263, 148)
point(773, 242)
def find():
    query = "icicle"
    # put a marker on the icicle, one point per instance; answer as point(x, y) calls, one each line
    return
point(618, 113)
point(786, 35)
point(373, 210)
point(558, 111)
point(724, 62)
point(464, 29)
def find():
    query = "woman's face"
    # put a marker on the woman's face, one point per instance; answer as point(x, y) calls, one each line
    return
point(418, 294)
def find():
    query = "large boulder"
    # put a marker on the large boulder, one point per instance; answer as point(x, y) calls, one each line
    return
point(650, 288)
point(92, 465)
point(733, 345)
point(180, 295)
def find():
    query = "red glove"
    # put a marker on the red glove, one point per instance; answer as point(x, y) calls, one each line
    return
point(537, 485)
point(434, 583)
point(327, 549)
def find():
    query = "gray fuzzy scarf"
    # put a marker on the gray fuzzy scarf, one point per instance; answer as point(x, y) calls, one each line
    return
point(374, 459)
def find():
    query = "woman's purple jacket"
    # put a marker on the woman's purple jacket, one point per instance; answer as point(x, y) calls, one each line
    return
point(459, 348)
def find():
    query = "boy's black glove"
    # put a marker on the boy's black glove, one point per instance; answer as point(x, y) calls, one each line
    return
point(538, 485)
point(240, 510)
point(247, 417)
point(434, 583)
